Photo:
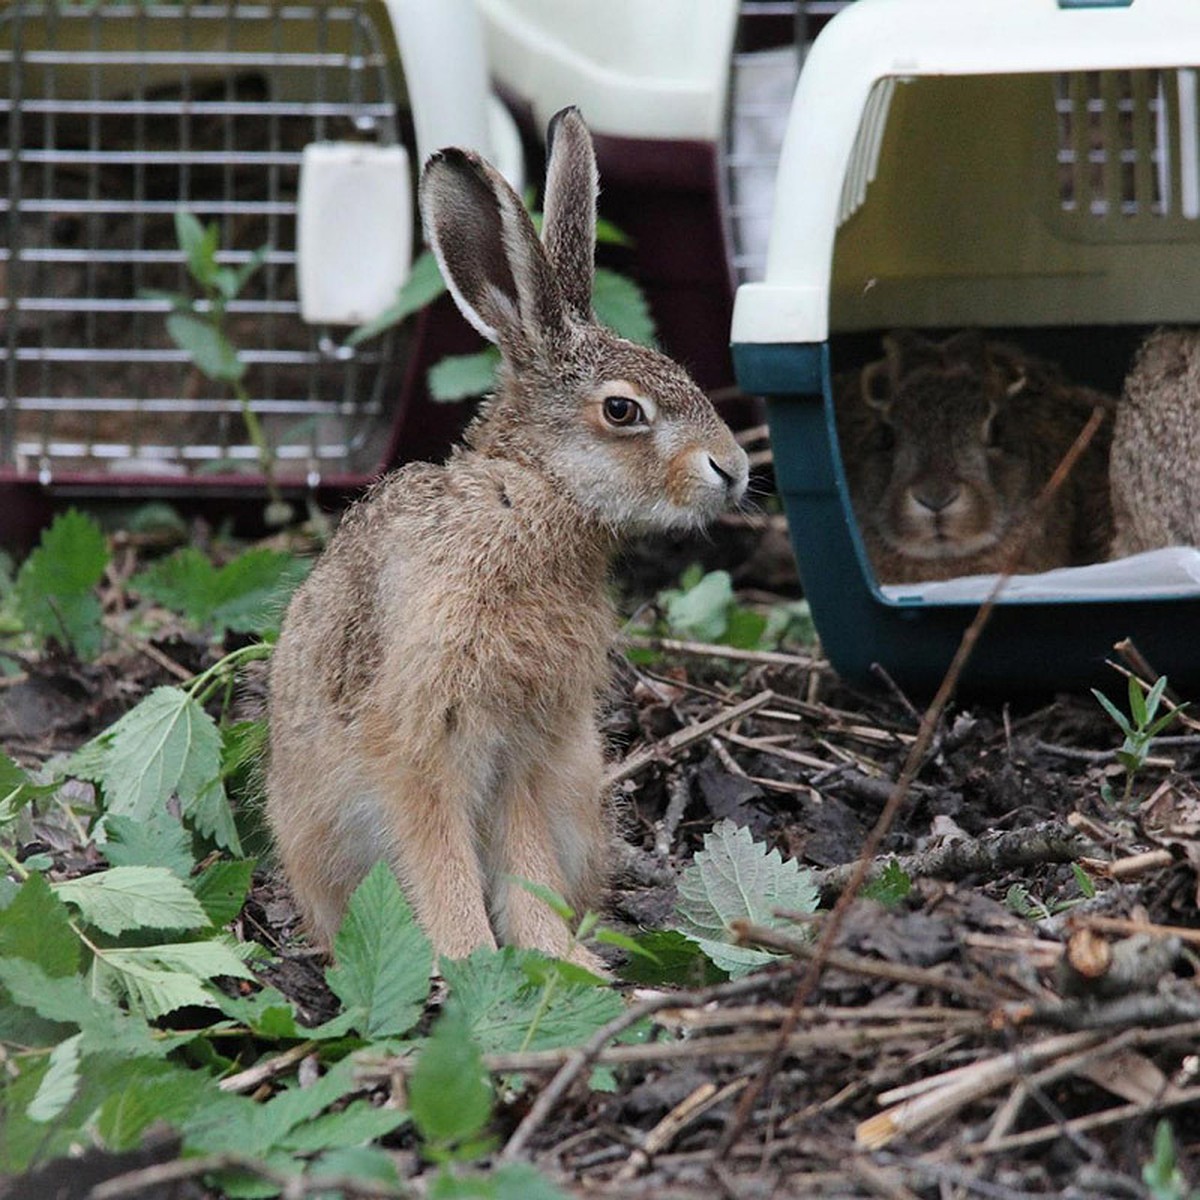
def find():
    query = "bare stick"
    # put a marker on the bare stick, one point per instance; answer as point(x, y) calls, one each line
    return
point(1047, 842)
point(711, 650)
point(584, 1055)
point(662, 750)
point(912, 764)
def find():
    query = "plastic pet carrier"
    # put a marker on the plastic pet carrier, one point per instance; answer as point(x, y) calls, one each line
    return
point(1031, 169)
point(295, 127)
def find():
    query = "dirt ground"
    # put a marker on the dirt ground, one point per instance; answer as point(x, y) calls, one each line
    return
point(997, 1032)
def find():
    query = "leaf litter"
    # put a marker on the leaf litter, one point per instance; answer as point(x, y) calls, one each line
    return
point(960, 1038)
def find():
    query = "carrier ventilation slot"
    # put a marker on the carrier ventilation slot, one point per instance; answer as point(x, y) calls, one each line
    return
point(1127, 144)
point(112, 115)
point(864, 157)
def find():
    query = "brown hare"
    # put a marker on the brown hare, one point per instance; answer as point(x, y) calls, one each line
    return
point(946, 445)
point(1156, 447)
point(435, 689)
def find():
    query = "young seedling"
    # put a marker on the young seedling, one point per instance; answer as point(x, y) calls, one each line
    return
point(1140, 728)
point(197, 327)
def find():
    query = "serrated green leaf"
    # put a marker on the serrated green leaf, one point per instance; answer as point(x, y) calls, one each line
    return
point(209, 349)
point(236, 1125)
point(449, 1095)
point(55, 586)
point(892, 885)
point(362, 1162)
point(701, 612)
point(253, 590)
point(679, 962)
point(461, 376)
point(36, 926)
point(734, 878)
point(150, 1091)
point(423, 285)
point(621, 305)
point(267, 1013)
point(124, 898)
point(159, 979)
point(501, 1003)
point(167, 745)
point(222, 889)
point(247, 594)
point(60, 1083)
point(66, 1000)
point(159, 840)
point(357, 1124)
point(383, 958)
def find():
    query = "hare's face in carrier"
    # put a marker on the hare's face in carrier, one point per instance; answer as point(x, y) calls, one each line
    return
point(942, 481)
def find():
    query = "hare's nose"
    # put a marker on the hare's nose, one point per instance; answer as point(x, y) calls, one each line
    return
point(725, 476)
point(937, 497)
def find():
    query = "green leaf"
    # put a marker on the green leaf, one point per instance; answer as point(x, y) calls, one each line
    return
point(679, 962)
point(701, 612)
point(1122, 721)
point(248, 594)
point(449, 1095)
point(60, 1083)
point(210, 350)
point(165, 746)
point(124, 898)
point(733, 878)
point(362, 1162)
point(66, 1000)
point(149, 1091)
point(461, 376)
point(621, 305)
point(267, 1013)
point(199, 244)
point(383, 958)
point(355, 1125)
point(1083, 881)
point(222, 888)
point(423, 285)
point(893, 885)
point(36, 927)
point(55, 587)
point(160, 979)
point(744, 628)
point(501, 1003)
point(159, 840)
point(547, 895)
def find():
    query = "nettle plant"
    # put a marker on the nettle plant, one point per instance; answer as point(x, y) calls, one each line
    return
point(127, 1001)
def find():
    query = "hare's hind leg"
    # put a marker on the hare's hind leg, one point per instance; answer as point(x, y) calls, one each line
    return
point(428, 820)
point(550, 829)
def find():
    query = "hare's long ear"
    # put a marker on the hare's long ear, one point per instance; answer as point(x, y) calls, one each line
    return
point(488, 251)
point(569, 224)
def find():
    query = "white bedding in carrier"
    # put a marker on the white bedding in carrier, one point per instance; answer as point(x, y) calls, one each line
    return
point(1171, 572)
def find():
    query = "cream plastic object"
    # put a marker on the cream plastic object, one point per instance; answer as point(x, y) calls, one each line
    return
point(446, 74)
point(354, 230)
point(859, 67)
point(635, 68)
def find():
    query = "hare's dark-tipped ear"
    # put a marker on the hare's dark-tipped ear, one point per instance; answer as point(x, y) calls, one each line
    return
point(488, 251)
point(569, 224)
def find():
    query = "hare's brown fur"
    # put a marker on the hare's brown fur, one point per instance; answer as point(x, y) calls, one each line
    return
point(946, 446)
point(1156, 447)
point(435, 688)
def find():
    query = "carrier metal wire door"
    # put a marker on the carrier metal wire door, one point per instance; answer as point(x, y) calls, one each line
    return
point(112, 116)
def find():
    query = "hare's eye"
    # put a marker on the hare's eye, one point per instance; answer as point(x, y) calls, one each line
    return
point(620, 410)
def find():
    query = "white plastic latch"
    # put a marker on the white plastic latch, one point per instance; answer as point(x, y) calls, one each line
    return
point(354, 234)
